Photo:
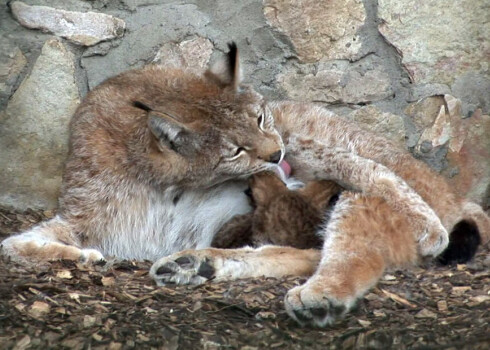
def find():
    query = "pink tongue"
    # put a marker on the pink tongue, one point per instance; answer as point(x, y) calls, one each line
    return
point(285, 167)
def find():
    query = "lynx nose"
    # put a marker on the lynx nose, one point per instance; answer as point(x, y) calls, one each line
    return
point(275, 157)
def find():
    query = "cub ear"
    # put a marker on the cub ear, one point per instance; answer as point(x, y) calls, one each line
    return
point(266, 186)
point(227, 71)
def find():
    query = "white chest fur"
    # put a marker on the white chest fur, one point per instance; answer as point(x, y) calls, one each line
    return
point(164, 223)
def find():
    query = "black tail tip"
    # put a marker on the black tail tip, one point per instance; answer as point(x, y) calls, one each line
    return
point(464, 240)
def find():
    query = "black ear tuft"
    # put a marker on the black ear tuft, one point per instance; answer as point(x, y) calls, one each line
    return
point(232, 58)
point(464, 240)
point(142, 106)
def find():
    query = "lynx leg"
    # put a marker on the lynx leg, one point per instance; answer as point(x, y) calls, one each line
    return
point(370, 178)
point(199, 266)
point(51, 240)
point(363, 237)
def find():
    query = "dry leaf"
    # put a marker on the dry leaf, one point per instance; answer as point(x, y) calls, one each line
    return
point(149, 310)
point(424, 313)
point(389, 277)
point(88, 321)
point(20, 307)
point(398, 298)
point(265, 315)
point(442, 305)
point(480, 299)
point(39, 309)
point(115, 346)
point(23, 343)
point(364, 323)
point(143, 337)
point(460, 290)
point(65, 274)
point(108, 281)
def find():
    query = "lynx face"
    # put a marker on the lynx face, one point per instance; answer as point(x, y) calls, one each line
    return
point(225, 133)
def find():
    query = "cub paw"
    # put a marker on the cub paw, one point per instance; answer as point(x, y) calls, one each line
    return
point(182, 268)
point(433, 240)
point(314, 307)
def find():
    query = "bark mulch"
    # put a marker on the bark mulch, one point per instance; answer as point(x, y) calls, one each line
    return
point(65, 305)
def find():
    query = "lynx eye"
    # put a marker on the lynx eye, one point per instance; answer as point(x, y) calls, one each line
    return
point(238, 152)
point(261, 121)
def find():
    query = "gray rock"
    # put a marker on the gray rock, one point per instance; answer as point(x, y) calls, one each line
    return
point(192, 54)
point(146, 33)
point(474, 90)
point(336, 81)
point(389, 125)
point(466, 141)
point(34, 131)
point(319, 29)
point(12, 62)
point(438, 40)
point(83, 28)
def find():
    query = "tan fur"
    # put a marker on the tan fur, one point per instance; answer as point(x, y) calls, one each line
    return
point(403, 210)
point(280, 216)
point(157, 164)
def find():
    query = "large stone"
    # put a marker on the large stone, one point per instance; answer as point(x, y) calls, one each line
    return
point(474, 90)
point(12, 62)
point(424, 112)
point(438, 40)
point(34, 131)
point(192, 54)
point(319, 29)
point(148, 28)
point(337, 81)
point(83, 28)
point(389, 125)
point(442, 124)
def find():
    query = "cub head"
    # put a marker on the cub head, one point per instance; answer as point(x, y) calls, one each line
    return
point(209, 129)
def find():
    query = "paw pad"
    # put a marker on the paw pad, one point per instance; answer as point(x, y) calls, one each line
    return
point(185, 269)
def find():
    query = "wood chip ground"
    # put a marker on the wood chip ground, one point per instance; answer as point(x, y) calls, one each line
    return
point(64, 305)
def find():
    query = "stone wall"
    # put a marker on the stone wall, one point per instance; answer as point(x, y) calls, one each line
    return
point(417, 72)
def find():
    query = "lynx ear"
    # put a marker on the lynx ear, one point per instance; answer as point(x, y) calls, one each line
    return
point(227, 71)
point(170, 132)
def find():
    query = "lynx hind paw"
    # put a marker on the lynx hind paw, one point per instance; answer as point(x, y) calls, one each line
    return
point(433, 240)
point(312, 308)
point(182, 269)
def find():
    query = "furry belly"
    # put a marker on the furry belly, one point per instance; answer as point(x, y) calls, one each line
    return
point(172, 221)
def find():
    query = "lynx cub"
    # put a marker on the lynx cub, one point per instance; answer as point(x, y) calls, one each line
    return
point(158, 161)
point(280, 216)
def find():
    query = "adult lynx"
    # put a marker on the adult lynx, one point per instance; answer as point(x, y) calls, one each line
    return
point(157, 164)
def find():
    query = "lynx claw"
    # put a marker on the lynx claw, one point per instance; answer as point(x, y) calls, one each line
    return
point(182, 268)
point(308, 307)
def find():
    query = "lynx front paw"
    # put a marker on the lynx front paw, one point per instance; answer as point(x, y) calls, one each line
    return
point(186, 267)
point(91, 256)
point(433, 240)
point(310, 305)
